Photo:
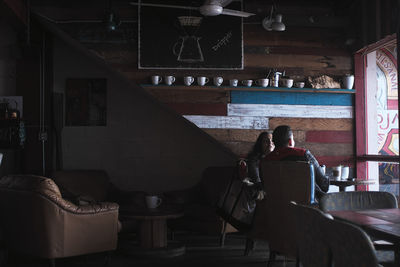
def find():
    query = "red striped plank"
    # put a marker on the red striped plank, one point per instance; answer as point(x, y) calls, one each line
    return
point(216, 109)
point(329, 137)
point(330, 161)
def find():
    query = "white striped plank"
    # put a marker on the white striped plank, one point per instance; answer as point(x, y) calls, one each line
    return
point(227, 122)
point(291, 111)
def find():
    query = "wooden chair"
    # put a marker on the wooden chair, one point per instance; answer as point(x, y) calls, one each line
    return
point(284, 181)
point(313, 250)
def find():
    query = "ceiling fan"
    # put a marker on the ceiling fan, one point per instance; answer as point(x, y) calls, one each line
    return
point(209, 8)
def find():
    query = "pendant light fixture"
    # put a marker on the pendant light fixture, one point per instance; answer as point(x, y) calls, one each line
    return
point(272, 23)
point(278, 25)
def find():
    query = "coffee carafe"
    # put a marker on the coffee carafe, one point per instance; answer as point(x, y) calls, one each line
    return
point(275, 78)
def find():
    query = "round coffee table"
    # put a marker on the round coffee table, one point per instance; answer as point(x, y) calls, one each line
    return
point(152, 232)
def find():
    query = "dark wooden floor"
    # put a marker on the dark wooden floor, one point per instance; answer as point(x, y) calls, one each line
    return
point(201, 251)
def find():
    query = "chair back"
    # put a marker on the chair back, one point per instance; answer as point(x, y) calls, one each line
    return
point(312, 248)
point(284, 181)
point(350, 245)
point(358, 200)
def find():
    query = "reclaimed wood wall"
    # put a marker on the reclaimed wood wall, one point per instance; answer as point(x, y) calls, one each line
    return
point(323, 123)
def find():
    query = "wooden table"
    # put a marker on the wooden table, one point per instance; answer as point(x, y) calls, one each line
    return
point(379, 223)
point(342, 184)
point(153, 231)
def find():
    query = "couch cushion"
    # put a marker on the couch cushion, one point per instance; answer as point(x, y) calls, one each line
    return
point(92, 184)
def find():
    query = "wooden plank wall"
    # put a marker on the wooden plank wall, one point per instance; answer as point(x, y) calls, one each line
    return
point(304, 49)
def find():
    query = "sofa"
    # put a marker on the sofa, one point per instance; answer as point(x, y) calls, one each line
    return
point(38, 221)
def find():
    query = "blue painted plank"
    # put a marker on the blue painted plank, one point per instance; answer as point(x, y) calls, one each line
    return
point(300, 98)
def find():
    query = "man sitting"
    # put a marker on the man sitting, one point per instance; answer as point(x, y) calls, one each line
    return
point(282, 138)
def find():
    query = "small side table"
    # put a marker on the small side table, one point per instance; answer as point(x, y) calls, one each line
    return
point(342, 184)
point(153, 232)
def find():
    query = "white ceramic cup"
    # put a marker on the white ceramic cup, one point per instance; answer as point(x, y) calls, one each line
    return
point(169, 80)
point(345, 172)
point(233, 82)
point(218, 81)
point(287, 83)
point(188, 80)
point(247, 82)
point(337, 172)
point(262, 82)
point(153, 202)
point(202, 80)
point(348, 81)
point(156, 79)
point(299, 84)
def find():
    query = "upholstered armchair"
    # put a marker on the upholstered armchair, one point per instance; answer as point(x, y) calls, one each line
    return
point(361, 200)
point(36, 220)
point(284, 181)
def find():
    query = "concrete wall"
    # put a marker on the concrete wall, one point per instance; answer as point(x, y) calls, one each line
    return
point(143, 146)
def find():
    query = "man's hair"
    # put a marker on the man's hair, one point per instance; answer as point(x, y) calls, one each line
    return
point(281, 136)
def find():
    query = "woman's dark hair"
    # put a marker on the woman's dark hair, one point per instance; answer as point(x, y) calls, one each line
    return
point(282, 135)
point(257, 148)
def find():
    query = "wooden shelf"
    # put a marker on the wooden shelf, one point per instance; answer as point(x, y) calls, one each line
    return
point(246, 88)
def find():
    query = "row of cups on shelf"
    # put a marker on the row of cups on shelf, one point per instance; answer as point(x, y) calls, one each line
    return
point(217, 81)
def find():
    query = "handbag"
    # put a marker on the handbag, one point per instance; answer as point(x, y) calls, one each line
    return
point(237, 204)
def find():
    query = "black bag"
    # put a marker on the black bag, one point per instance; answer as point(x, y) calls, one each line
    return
point(237, 204)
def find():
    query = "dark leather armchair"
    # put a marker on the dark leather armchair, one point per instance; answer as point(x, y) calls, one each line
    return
point(313, 249)
point(360, 200)
point(36, 220)
point(349, 244)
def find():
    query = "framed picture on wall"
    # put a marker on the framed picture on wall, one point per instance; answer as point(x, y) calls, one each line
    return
point(173, 38)
point(86, 102)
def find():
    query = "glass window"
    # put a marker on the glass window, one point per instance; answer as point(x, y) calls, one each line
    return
point(377, 127)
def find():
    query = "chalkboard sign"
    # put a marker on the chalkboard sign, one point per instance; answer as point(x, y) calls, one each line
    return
point(171, 38)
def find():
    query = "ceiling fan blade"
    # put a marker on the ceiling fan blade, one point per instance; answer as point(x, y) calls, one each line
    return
point(237, 13)
point(162, 5)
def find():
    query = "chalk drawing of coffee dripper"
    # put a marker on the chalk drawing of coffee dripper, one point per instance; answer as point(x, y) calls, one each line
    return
point(187, 48)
